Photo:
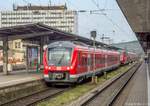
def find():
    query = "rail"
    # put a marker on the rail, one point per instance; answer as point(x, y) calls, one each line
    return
point(115, 85)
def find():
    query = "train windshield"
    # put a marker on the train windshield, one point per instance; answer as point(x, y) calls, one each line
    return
point(59, 56)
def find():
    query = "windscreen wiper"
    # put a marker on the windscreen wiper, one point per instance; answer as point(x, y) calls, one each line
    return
point(61, 58)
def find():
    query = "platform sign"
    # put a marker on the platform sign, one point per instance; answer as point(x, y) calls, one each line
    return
point(33, 57)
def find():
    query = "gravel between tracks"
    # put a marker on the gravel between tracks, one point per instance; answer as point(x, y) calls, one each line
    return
point(35, 98)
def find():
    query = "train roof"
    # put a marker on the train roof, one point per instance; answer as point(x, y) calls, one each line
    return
point(80, 45)
point(71, 44)
point(61, 43)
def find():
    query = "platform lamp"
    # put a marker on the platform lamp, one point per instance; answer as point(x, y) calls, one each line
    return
point(94, 78)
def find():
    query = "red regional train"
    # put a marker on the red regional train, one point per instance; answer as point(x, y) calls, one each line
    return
point(127, 57)
point(71, 62)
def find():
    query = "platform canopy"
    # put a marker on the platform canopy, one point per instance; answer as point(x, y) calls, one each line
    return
point(137, 13)
point(37, 30)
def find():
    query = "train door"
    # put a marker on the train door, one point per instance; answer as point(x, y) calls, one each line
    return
point(79, 67)
point(106, 60)
point(89, 63)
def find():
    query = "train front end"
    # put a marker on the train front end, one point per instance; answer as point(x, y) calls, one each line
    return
point(58, 63)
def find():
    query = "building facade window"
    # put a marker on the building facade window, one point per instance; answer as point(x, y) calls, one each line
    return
point(17, 45)
point(60, 19)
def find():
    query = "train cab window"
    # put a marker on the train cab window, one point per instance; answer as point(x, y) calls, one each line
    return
point(59, 56)
point(102, 59)
point(79, 59)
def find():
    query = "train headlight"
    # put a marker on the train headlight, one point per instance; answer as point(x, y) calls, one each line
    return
point(49, 68)
point(45, 75)
point(68, 68)
point(46, 67)
point(71, 67)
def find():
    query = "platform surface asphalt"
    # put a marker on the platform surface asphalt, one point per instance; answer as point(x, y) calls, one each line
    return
point(136, 91)
point(18, 77)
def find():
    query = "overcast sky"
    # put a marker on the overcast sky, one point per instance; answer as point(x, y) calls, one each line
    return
point(112, 23)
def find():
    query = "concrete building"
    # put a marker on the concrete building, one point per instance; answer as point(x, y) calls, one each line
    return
point(58, 17)
point(55, 16)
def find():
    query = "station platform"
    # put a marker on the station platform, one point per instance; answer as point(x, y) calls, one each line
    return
point(136, 93)
point(18, 77)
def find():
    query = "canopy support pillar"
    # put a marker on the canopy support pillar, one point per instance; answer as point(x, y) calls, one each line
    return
point(5, 55)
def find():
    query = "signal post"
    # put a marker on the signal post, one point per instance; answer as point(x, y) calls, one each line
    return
point(94, 77)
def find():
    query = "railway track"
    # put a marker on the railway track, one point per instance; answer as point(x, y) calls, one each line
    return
point(99, 96)
point(35, 98)
point(107, 95)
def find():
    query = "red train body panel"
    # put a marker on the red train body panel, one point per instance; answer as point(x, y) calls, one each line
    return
point(66, 61)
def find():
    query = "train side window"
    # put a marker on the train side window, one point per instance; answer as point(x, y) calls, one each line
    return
point(102, 60)
point(95, 59)
point(86, 61)
point(99, 59)
point(79, 59)
point(89, 60)
point(83, 60)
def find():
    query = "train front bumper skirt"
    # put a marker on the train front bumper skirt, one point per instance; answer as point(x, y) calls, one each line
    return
point(71, 80)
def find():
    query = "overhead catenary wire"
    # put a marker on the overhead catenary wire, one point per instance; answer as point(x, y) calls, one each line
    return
point(97, 4)
point(108, 18)
point(105, 5)
point(40, 2)
point(80, 11)
point(74, 6)
point(25, 1)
